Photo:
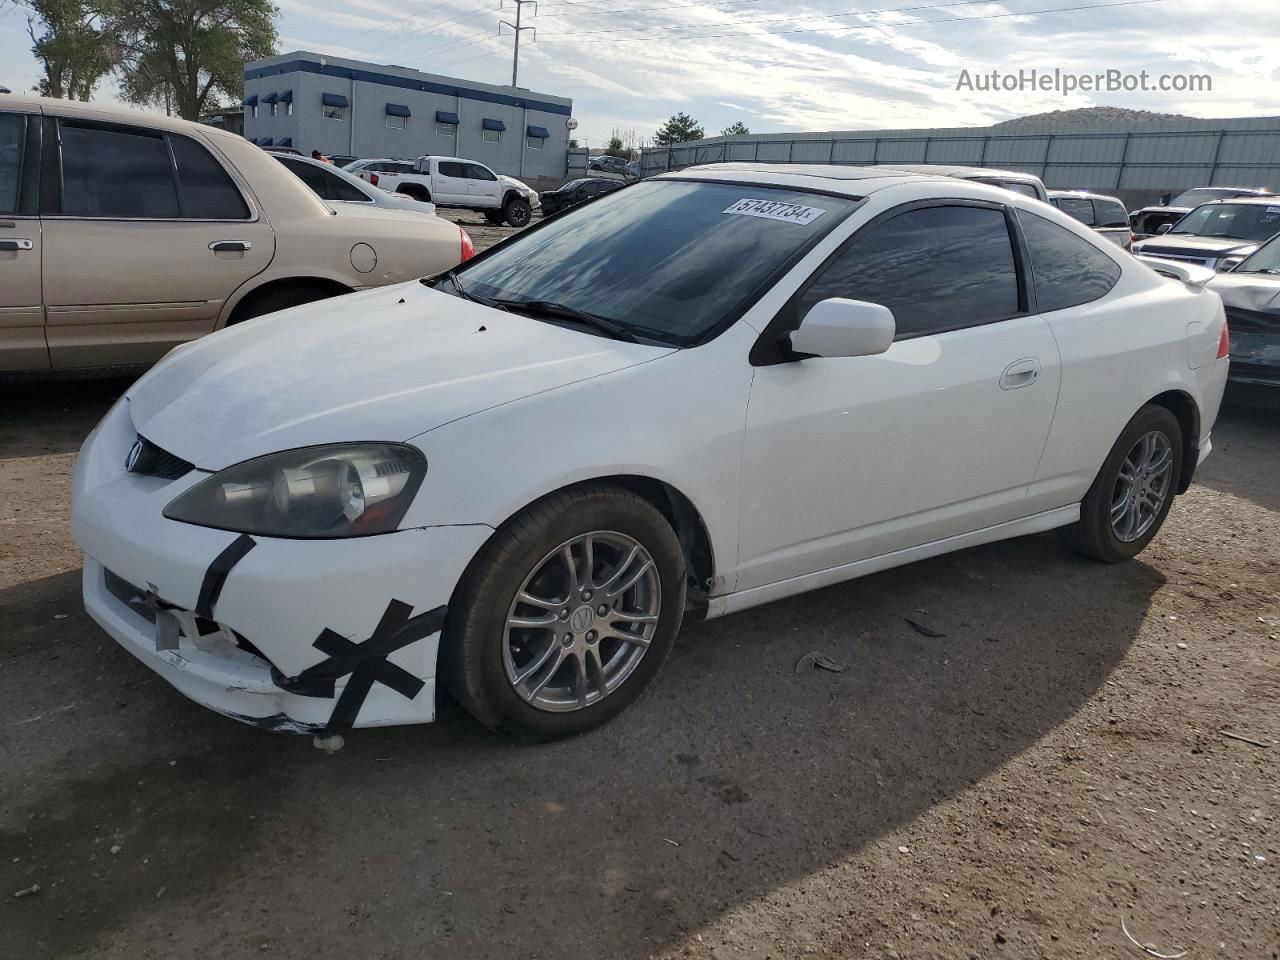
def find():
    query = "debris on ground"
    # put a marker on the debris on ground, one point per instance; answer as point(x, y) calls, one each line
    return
point(1250, 740)
point(330, 745)
point(30, 891)
point(1148, 948)
point(924, 629)
point(818, 661)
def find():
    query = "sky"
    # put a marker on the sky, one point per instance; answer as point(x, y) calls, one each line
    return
point(783, 65)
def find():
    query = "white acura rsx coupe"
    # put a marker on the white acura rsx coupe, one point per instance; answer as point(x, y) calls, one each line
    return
point(702, 392)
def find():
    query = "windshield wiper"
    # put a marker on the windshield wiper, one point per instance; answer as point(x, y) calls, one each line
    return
point(465, 294)
point(549, 308)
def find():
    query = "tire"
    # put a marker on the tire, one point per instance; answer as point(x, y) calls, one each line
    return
point(517, 212)
point(415, 193)
point(281, 298)
point(494, 217)
point(1096, 534)
point(481, 657)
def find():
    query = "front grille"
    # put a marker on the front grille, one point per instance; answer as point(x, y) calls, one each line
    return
point(153, 461)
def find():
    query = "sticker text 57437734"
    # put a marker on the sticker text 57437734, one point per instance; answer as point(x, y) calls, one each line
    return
point(776, 210)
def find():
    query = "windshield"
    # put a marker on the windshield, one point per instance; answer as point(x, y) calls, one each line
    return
point(1237, 221)
point(1193, 198)
point(669, 260)
point(1266, 259)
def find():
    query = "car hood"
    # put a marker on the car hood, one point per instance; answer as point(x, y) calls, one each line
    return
point(386, 364)
point(1189, 244)
point(518, 184)
point(1177, 210)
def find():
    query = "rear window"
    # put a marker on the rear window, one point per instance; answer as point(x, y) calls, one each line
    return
point(1068, 271)
point(672, 260)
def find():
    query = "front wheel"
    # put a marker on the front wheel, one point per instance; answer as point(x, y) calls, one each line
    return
point(1132, 494)
point(517, 212)
point(566, 615)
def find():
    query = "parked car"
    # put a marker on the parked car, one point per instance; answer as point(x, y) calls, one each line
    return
point(1251, 293)
point(286, 151)
point(1147, 221)
point(455, 182)
point(341, 160)
point(1218, 234)
point(338, 186)
point(575, 192)
point(1104, 214)
point(1027, 184)
point(124, 234)
point(316, 523)
point(608, 164)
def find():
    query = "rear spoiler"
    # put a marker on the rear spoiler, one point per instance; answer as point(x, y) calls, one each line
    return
point(1188, 273)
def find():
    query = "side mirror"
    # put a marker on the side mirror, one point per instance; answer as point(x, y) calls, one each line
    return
point(844, 328)
point(1164, 228)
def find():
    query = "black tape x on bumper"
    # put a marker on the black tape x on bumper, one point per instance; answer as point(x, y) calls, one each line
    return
point(366, 663)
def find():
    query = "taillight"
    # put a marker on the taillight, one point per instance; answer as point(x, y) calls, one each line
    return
point(1132, 241)
point(373, 178)
point(468, 248)
point(1224, 342)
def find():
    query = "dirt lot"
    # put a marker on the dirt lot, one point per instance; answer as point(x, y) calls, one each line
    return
point(1052, 765)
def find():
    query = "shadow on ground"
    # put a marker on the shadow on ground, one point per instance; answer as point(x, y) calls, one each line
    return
point(1240, 465)
point(733, 776)
point(53, 416)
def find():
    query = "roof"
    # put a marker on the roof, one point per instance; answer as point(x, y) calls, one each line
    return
point(112, 114)
point(834, 177)
point(963, 172)
point(1082, 195)
point(1266, 200)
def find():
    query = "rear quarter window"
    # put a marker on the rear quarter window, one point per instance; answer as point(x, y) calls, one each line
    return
point(1067, 270)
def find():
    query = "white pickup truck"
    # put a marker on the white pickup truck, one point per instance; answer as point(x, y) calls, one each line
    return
point(453, 182)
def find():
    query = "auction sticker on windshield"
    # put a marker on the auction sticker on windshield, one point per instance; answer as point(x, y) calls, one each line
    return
point(775, 210)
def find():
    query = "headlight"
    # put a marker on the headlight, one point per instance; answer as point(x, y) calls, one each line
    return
point(337, 490)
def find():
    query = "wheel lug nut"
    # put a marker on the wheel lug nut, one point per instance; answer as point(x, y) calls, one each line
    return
point(567, 639)
point(602, 610)
point(591, 636)
point(564, 614)
point(586, 594)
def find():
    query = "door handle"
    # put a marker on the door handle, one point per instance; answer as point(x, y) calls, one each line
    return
point(1020, 373)
point(18, 244)
point(231, 246)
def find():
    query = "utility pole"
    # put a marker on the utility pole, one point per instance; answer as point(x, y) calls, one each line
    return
point(517, 28)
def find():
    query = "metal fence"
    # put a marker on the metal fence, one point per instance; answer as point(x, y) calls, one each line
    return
point(1136, 162)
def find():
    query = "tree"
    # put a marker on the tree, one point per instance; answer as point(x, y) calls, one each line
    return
point(735, 129)
point(615, 147)
point(68, 39)
point(681, 128)
point(189, 51)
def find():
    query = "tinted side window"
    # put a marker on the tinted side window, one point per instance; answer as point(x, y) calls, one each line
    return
point(1076, 208)
point(477, 172)
point(338, 189)
point(205, 190)
point(12, 134)
point(306, 173)
point(108, 172)
point(451, 169)
point(400, 168)
point(1109, 213)
point(1068, 271)
point(937, 269)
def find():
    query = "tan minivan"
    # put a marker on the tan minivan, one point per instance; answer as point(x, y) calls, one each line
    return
point(123, 234)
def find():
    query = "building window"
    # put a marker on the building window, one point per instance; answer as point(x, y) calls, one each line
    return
point(491, 130)
point(288, 109)
point(335, 113)
point(445, 129)
point(333, 106)
point(254, 108)
point(274, 107)
point(535, 143)
point(397, 123)
point(492, 136)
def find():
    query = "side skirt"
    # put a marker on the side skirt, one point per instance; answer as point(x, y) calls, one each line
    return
point(1037, 523)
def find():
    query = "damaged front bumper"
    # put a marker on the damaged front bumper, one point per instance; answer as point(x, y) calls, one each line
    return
point(289, 635)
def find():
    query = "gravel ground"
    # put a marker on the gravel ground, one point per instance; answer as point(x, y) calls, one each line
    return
point(1054, 764)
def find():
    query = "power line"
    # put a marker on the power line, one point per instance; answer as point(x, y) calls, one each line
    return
point(674, 6)
point(806, 16)
point(843, 30)
point(418, 13)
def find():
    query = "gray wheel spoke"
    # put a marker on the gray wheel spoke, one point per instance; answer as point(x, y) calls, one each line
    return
point(638, 639)
point(620, 589)
point(619, 616)
point(581, 683)
point(543, 603)
point(588, 561)
point(1142, 486)
point(550, 653)
point(545, 620)
point(574, 583)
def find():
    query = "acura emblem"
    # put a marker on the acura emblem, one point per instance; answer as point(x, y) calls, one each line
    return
point(135, 452)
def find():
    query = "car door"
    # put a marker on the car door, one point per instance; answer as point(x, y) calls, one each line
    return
point(851, 458)
point(449, 182)
point(22, 343)
point(483, 186)
point(146, 235)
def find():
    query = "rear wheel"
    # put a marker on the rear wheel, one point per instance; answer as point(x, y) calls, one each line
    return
point(566, 615)
point(517, 212)
point(494, 217)
point(415, 192)
point(1132, 494)
point(278, 298)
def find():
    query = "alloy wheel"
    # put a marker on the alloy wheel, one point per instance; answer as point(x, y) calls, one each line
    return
point(581, 621)
point(1142, 486)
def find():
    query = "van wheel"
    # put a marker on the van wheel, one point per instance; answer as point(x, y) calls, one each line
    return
point(1129, 500)
point(565, 615)
point(517, 212)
